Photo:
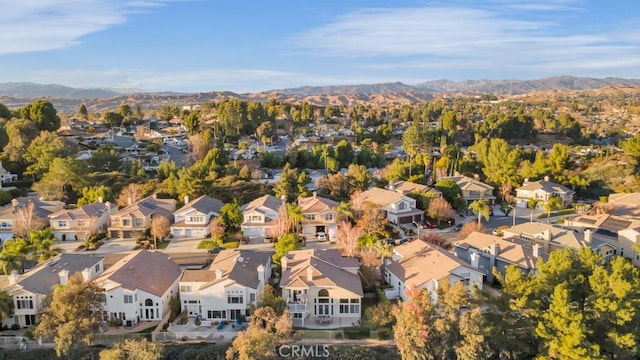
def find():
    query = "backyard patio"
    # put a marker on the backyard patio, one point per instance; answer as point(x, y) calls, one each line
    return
point(207, 330)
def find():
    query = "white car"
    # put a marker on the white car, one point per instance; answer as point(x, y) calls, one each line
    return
point(321, 236)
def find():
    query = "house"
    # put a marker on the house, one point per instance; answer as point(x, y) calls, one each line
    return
point(228, 288)
point(135, 219)
point(406, 187)
point(31, 289)
point(26, 213)
point(319, 215)
point(543, 190)
point(484, 252)
point(399, 209)
point(626, 204)
point(621, 234)
point(473, 189)
point(80, 223)
point(192, 220)
point(6, 176)
point(424, 266)
point(553, 238)
point(260, 216)
point(321, 288)
point(140, 286)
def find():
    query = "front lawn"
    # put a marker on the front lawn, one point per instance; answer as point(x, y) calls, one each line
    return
point(558, 213)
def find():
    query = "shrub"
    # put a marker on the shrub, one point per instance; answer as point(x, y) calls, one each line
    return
point(197, 322)
point(231, 245)
point(15, 327)
point(384, 334)
point(115, 322)
point(357, 333)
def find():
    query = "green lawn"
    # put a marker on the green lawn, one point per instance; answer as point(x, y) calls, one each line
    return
point(558, 213)
point(207, 244)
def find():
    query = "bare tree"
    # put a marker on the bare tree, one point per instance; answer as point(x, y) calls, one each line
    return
point(604, 207)
point(26, 219)
point(348, 236)
point(470, 227)
point(283, 223)
point(199, 147)
point(440, 209)
point(160, 227)
point(216, 229)
point(435, 239)
point(131, 194)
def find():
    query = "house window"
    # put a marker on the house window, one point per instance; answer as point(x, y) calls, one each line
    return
point(402, 206)
point(234, 300)
point(80, 222)
point(349, 306)
point(128, 299)
point(24, 303)
point(196, 219)
point(126, 222)
point(328, 217)
point(185, 288)
point(255, 218)
point(252, 298)
point(310, 217)
point(97, 268)
point(62, 224)
point(215, 314)
point(138, 222)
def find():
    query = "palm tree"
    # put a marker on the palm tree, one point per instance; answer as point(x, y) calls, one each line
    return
point(344, 211)
point(42, 244)
point(480, 207)
point(13, 255)
point(552, 204)
point(533, 204)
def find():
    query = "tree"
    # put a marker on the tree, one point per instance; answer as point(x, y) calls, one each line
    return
point(440, 209)
point(20, 133)
point(533, 205)
point(554, 203)
point(82, 112)
point(43, 244)
point(131, 194)
point(481, 208)
point(216, 229)
point(450, 192)
point(73, 315)
point(288, 242)
point(411, 331)
point(6, 305)
point(104, 159)
point(132, 349)
point(125, 111)
point(112, 119)
point(373, 221)
point(294, 214)
point(359, 177)
point(160, 227)
point(265, 333)
point(411, 143)
point(230, 215)
point(94, 194)
point(13, 255)
point(347, 236)
point(64, 176)
point(4, 112)
point(469, 228)
point(270, 298)
point(42, 150)
point(191, 123)
point(631, 146)
point(44, 115)
point(25, 219)
point(500, 160)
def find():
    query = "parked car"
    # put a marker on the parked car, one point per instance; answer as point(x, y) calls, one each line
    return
point(430, 225)
point(457, 227)
point(216, 250)
point(389, 241)
point(321, 236)
point(403, 240)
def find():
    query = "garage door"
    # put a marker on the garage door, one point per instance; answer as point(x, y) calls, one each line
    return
point(253, 231)
point(404, 220)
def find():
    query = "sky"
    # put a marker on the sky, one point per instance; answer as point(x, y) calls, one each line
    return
point(250, 46)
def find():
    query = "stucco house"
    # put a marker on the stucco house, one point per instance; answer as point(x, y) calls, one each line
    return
point(473, 189)
point(425, 266)
point(260, 216)
point(484, 252)
point(228, 288)
point(26, 213)
point(543, 190)
point(193, 219)
point(31, 289)
point(135, 219)
point(82, 222)
point(398, 208)
point(322, 288)
point(6, 176)
point(139, 287)
point(405, 187)
point(319, 215)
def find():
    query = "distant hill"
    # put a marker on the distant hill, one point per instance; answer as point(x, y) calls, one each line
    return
point(26, 90)
point(384, 88)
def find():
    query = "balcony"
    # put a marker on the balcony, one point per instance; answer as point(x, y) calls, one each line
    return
point(297, 307)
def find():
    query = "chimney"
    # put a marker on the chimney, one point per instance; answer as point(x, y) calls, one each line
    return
point(64, 276)
point(546, 178)
point(86, 275)
point(494, 249)
point(186, 199)
point(13, 277)
point(526, 181)
point(100, 199)
point(309, 273)
point(546, 235)
point(261, 273)
point(283, 262)
point(14, 202)
point(475, 259)
point(155, 196)
point(315, 194)
point(218, 274)
point(588, 236)
point(536, 250)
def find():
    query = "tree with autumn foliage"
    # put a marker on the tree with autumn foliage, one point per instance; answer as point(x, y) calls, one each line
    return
point(265, 333)
point(348, 235)
point(440, 209)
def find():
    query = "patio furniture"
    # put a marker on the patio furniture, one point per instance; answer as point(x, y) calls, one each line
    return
point(221, 325)
point(239, 321)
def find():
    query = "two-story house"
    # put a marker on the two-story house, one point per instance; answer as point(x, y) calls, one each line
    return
point(406, 187)
point(24, 214)
point(192, 220)
point(543, 190)
point(322, 288)
point(398, 208)
point(80, 223)
point(553, 238)
point(31, 289)
point(473, 189)
point(425, 266)
point(319, 216)
point(260, 216)
point(484, 252)
point(136, 219)
point(140, 286)
point(233, 283)
point(6, 176)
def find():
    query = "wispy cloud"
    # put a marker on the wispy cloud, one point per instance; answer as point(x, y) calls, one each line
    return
point(37, 25)
point(494, 36)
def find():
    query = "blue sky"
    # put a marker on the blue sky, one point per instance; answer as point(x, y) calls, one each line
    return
point(248, 46)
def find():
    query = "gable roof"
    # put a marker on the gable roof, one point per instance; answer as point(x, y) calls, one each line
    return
point(148, 206)
point(239, 266)
point(327, 267)
point(546, 186)
point(467, 183)
point(41, 279)
point(268, 201)
point(381, 197)
point(150, 271)
point(204, 204)
point(42, 209)
point(509, 251)
point(625, 198)
point(84, 212)
point(559, 236)
point(316, 204)
point(418, 262)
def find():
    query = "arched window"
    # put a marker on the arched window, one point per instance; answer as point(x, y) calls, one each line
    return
point(323, 293)
point(148, 302)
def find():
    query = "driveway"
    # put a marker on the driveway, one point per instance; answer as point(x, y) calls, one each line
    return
point(184, 245)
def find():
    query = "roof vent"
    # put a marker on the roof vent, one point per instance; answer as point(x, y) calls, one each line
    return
point(240, 259)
